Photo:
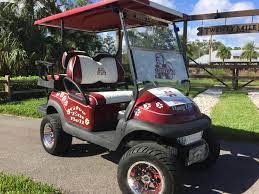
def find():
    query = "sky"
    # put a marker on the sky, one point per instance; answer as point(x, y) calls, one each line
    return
point(211, 6)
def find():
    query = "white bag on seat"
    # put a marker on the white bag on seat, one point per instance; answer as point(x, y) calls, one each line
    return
point(104, 71)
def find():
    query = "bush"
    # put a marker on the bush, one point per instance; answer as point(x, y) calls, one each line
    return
point(19, 86)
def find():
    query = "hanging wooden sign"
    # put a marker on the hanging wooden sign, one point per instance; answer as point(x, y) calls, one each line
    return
point(229, 29)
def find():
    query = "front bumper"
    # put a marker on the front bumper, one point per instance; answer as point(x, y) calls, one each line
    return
point(170, 131)
point(194, 153)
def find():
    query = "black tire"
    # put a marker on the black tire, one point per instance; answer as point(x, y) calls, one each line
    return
point(154, 154)
point(62, 140)
point(214, 151)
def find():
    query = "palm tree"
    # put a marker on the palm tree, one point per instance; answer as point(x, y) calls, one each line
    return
point(223, 53)
point(27, 42)
point(12, 55)
point(249, 52)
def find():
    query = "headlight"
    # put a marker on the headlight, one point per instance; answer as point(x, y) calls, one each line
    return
point(186, 140)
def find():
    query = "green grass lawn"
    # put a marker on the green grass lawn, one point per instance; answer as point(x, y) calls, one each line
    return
point(195, 91)
point(212, 82)
point(26, 108)
point(22, 185)
point(235, 117)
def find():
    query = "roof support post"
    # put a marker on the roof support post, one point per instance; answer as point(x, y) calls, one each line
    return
point(185, 39)
point(62, 34)
point(130, 55)
point(181, 49)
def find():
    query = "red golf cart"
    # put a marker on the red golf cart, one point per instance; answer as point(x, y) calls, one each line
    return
point(153, 123)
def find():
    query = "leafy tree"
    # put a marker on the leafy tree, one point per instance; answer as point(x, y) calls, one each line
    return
point(108, 45)
point(196, 49)
point(237, 48)
point(249, 52)
point(11, 52)
point(153, 38)
point(223, 53)
point(34, 42)
point(16, 23)
point(70, 4)
point(191, 50)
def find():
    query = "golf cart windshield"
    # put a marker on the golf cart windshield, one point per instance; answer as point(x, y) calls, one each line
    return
point(156, 52)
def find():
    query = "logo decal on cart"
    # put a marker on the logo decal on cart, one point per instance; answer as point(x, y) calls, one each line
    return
point(159, 105)
point(63, 97)
point(170, 94)
point(101, 71)
point(147, 106)
point(87, 121)
point(137, 112)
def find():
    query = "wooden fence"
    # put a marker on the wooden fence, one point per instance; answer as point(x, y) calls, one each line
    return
point(235, 77)
point(8, 91)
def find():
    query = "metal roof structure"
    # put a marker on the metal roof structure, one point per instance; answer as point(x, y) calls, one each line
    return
point(101, 16)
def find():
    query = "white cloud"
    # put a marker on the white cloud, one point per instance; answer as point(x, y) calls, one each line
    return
point(242, 6)
point(211, 6)
point(205, 6)
point(167, 3)
point(241, 39)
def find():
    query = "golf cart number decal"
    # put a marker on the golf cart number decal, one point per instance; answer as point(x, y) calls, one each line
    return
point(181, 108)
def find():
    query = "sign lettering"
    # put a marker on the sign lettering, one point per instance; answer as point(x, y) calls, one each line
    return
point(228, 29)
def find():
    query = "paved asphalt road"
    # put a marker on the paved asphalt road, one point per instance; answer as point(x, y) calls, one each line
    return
point(91, 169)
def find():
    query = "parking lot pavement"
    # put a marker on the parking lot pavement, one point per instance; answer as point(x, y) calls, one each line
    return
point(91, 169)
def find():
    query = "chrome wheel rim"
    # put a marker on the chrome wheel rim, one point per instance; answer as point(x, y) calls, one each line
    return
point(145, 178)
point(48, 136)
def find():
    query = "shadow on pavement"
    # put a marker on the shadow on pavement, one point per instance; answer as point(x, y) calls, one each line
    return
point(235, 171)
point(85, 150)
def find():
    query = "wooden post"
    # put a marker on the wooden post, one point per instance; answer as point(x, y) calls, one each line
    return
point(210, 49)
point(7, 87)
point(237, 76)
point(235, 79)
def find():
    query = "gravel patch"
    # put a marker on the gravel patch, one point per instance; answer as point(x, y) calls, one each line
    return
point(208, 99)
point(254, 96)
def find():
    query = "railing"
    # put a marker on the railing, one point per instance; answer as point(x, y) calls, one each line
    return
point(8, 91)
point(235, 77)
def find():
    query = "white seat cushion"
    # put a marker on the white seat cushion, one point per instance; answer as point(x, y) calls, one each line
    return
point(111, 97)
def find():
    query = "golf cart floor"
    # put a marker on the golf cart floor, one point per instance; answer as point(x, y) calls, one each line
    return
point(106, 135)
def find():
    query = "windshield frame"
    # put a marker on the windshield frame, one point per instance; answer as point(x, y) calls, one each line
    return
point(123, 14)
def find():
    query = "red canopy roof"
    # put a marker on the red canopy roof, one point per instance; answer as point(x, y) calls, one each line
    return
point(100, 17)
